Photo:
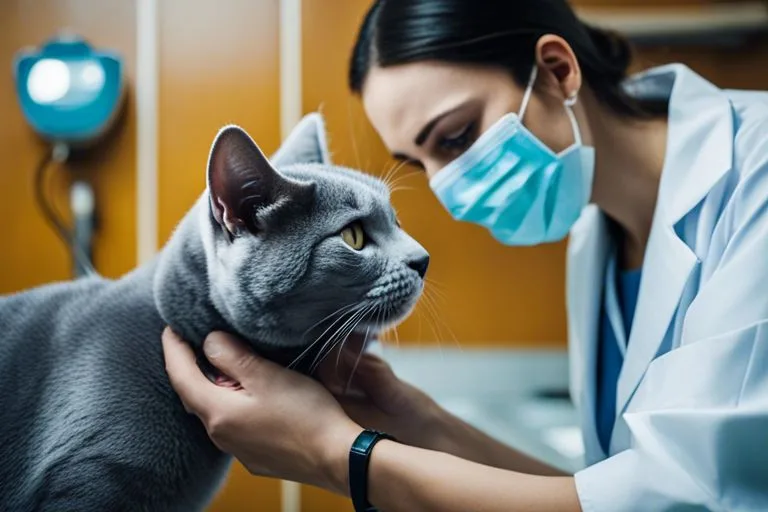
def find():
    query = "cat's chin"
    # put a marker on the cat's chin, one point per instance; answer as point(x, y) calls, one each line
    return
point(373, 328)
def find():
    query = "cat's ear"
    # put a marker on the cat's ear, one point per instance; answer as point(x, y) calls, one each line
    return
point(245, 190)
point(306, 144)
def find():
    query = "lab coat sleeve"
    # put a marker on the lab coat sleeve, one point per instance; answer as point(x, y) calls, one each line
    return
point(699, 419)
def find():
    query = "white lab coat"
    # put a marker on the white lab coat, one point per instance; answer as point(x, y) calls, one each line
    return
point(691, 423)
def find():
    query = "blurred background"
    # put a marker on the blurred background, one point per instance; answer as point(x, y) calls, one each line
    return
point(493, 324)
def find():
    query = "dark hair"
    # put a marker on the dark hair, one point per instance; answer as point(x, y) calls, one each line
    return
point(501, 33)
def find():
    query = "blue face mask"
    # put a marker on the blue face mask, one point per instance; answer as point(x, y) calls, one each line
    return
point(515, 186)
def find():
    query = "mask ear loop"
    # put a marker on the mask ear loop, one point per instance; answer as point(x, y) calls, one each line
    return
point(528, 91)
point(569, 102)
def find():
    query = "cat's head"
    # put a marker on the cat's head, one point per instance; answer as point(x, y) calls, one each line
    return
point(302, 250)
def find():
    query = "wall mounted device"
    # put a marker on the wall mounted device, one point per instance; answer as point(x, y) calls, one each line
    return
point(68, 91)
point(71, 95)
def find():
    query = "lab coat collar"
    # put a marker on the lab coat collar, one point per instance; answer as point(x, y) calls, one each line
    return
point(700, 137)
point(699, 154)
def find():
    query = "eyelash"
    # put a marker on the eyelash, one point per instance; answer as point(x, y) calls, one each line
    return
point(460, 142)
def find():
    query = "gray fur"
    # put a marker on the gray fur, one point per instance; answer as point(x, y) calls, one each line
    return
point(88, 419)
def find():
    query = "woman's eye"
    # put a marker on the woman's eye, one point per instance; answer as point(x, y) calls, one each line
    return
point(354, 236)
point(458, 141)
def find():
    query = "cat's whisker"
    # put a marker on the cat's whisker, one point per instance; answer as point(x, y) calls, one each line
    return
point(357, 361)
point(433, 284)
point(373, 310)
point(394, 167)
point(346, 327)
point(351, 318)
point(314, 343)
point(338, 355)
point(444, 324)
point(437, 294)
point(377, 322)
point(432, 323)
point(384, 336)
point(389, 173)
point(340, 336)
point(401, 189)
point(348, 309)
point(396, 180)
point(384, 311)
point(421, 318)
point(397, 336)
point(388, 179)
point(328, 317)
point(410, 173)
point(431, 320)
point(352, 132)
point(396, 185)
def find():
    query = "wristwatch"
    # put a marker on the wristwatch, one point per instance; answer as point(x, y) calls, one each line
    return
point(359, 457)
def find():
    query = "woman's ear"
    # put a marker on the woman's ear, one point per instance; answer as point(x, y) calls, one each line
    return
point(558, 63)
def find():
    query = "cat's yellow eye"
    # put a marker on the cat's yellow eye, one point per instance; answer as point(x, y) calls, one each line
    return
point(354, 236)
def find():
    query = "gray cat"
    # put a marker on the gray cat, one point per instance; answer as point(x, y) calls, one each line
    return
point(291, 260)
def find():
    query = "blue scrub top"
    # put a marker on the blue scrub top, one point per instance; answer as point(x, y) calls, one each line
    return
point(610, 358)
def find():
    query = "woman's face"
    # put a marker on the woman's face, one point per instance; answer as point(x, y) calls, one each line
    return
point(431, 112)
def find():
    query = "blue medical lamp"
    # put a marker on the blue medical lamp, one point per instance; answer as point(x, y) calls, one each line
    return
point(71, 95)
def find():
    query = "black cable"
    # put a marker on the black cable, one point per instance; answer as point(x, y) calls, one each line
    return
point(53, 219)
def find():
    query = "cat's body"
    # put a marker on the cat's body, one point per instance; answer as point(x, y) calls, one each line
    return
point(88, 420)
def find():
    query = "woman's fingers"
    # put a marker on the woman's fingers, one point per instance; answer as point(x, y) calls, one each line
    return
point(235, 359)
point(335, 369)
point(196, 392)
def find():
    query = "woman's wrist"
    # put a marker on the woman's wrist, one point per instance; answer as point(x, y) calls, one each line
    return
point(334, 463)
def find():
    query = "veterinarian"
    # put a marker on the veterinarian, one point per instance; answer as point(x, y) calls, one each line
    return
point(525, 122)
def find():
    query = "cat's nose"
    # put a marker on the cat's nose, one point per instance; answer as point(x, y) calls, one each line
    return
point(420, 265)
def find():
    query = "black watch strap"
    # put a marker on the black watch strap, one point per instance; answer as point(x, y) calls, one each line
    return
point(359, 457)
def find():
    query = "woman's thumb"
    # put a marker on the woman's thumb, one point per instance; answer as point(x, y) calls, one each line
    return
point(232, 357)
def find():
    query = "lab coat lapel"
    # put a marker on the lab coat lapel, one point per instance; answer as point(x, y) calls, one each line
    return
point(666, 269)
point(699, 152)
point(587, 253)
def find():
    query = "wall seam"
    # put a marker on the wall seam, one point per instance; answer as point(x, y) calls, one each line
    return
point(290, 115)
point(146, 130)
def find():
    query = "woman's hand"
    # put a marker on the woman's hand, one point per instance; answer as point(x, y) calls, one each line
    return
point(374, 397)
point(277, 422)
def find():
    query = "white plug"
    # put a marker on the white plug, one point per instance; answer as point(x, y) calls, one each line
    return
point(82, 200)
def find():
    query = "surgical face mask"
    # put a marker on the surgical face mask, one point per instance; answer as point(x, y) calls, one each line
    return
point(515, 186)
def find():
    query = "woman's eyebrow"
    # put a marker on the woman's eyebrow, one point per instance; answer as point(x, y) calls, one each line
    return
point(424, 133)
